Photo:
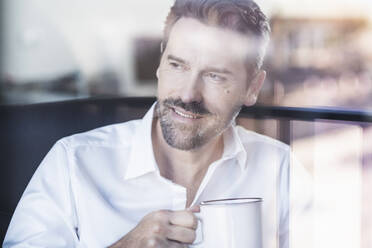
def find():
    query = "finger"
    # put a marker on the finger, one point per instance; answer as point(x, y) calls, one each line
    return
point(184, 219)
point(175, 244)
point(160, 215)
point(156, 241)
point(194, 209)
point(181, 234)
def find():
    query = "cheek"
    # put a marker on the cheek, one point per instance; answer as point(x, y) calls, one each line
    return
point(226, 101)
point(166, 91)
point(167, 86)
point(224, 106)
point(224, 95)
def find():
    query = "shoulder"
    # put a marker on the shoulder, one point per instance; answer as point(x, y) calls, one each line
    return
point(120, 134)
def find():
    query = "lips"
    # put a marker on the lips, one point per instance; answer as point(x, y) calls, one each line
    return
point(186, 114)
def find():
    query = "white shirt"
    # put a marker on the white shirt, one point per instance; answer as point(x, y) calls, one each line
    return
point(94, 187)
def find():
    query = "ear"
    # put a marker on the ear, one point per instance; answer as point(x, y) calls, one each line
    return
point(157, 73)
point(254, 88)
point(162, 47)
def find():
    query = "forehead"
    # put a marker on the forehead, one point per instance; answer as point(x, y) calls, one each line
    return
point(192, 38)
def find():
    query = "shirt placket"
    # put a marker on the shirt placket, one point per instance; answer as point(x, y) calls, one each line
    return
point(179, 197)
point(206, 180)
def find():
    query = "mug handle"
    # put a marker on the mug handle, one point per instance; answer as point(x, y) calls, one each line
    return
point(199, 240)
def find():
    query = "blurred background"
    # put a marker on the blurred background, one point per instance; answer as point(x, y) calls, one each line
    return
point(320, 55)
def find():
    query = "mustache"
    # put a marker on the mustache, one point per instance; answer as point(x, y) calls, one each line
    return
point(192, 107)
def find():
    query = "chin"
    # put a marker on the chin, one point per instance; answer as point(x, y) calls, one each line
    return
point(184, 143)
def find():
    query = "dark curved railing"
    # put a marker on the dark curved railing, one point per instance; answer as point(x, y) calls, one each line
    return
point(263, 112)
point(293, 113)
point(307, 114)
point(283, 115)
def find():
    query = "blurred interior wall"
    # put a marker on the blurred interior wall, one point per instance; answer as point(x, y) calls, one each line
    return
point(44, 39)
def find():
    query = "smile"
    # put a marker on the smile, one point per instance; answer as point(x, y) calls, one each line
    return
point(189, 116)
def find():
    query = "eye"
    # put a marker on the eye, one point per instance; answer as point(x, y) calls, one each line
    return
point(176, 65)
point(215, 77)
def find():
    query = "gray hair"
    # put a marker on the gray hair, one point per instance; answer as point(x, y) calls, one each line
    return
point(243, 16)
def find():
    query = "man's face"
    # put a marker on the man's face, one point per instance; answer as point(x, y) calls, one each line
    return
point(203, 82)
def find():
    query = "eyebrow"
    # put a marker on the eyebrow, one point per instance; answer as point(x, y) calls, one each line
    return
point(172, 57)
point(219, 70)
point(214, 69)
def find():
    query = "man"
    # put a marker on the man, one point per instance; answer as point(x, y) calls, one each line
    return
point(137, 184)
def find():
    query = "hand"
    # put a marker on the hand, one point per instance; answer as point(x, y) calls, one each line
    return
point(162, 229)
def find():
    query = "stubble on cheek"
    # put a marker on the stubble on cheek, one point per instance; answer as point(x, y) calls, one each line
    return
point(178, 135)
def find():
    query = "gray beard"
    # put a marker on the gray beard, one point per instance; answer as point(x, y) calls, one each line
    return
point(169, 131)
point(190, 142)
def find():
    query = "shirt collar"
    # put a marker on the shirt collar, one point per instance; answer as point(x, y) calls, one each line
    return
point(141, 157)
point(233, 146)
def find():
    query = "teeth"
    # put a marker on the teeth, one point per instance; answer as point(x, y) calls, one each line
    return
point(184, 115)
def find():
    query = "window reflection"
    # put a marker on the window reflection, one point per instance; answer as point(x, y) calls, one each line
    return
point(337, 155)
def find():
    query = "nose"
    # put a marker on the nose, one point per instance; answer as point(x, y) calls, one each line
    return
point(192, 90)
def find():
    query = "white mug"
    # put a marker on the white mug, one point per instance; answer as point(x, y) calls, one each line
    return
point(230, 223)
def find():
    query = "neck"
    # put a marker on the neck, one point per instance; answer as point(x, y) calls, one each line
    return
point(186, 168)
